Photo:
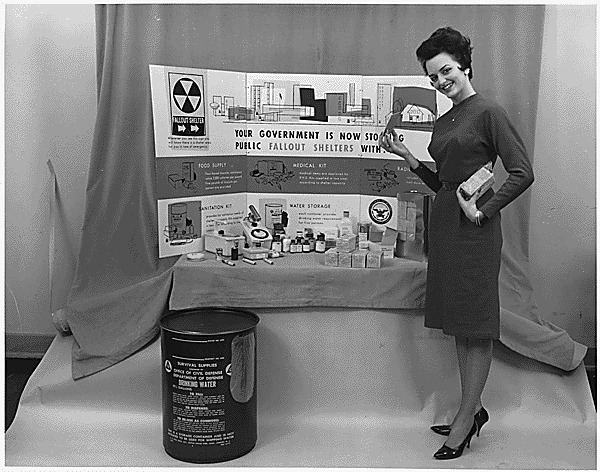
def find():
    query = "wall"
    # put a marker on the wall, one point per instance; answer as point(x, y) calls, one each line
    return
point(50, 109)
point(563, 207)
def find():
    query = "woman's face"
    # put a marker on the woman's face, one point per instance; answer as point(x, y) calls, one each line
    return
point(445, 75)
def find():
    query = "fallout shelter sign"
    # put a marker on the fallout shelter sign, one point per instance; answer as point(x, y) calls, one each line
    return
point(188, 114)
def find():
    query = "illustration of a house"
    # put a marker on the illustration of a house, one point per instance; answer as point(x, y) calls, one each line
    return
point(417, 115)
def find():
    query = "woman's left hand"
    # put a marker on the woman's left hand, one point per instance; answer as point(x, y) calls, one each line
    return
point(469, 207)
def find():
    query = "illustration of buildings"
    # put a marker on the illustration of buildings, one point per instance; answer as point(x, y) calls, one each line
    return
point(410, 107)
point(270, 102)
point(336, 107)
point(241, 114)
point(221, 105)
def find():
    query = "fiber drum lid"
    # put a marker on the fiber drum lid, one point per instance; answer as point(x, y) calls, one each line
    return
point(209, 383)
point(209, 321)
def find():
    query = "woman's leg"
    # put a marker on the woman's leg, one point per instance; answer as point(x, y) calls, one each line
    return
point(462, 353)
point(477, 368)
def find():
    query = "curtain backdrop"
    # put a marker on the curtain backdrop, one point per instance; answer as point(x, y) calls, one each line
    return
point(121, 286)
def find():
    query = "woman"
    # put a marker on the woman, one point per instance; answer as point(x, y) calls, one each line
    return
point(462, 295)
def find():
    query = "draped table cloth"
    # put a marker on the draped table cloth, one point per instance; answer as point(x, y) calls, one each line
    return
point(297, 280)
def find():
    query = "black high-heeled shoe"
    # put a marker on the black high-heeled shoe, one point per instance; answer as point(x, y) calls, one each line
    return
point(446, 452)
point(443, 429)
point(481, 418)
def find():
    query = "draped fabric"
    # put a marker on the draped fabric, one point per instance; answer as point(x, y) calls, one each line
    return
point(121, 286)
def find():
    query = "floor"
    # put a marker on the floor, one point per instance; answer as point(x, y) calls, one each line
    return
point(18, 372)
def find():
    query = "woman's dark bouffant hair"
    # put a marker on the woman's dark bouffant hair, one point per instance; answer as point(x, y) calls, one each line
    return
point(451, 42)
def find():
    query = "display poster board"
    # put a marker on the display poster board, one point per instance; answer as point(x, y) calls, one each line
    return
point(302, 145)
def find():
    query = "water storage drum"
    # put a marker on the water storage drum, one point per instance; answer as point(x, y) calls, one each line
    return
point(209, 383)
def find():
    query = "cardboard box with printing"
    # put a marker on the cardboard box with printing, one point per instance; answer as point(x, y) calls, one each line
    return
point(359, 258)
point(482, 179)
point(331, 257)
point(345, 259)
point(346, 243)
point(374, 259)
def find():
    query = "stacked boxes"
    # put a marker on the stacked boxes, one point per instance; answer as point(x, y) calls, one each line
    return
point(407, 219)
point(358, 259)
point(388, 242)
point(414, 209)
point(351, 253)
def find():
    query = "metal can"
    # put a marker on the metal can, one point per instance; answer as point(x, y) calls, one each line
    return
point(209, 383)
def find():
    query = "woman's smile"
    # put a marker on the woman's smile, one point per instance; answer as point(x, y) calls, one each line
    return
point(446, 87)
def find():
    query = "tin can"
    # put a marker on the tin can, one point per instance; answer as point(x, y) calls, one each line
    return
point(209, 384)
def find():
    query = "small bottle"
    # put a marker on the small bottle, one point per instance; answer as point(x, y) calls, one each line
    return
point(219, 254)
point(320, 244)
point(363, 232)
point(345, 225)
point(293, 247)
point(276, 245)
point(286, 243)
point(305, 245)
point(310, 237)
point(234, 251)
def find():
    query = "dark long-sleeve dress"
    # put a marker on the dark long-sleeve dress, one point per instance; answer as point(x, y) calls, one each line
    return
point(462, 294)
